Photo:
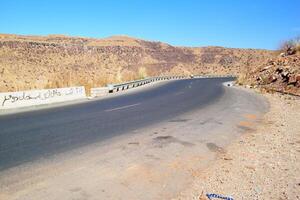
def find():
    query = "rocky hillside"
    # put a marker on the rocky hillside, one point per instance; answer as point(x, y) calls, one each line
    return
point(34, 62)
point(280, 73)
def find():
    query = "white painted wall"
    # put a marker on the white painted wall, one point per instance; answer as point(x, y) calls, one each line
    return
point(98, 92)
point(38, 97)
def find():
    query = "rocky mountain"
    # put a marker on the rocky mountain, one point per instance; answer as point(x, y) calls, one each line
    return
point(35, 62)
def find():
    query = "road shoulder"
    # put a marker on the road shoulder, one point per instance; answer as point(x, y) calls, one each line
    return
point(262, 164)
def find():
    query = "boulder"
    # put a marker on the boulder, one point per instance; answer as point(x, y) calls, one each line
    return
point(292, 80)
point(266, 68)
point(298, 80)
point(258, 78)
point(279, 70)
point(271, 79)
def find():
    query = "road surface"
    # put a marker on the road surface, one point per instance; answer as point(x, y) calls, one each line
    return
point(25, 137)
point(181, 119)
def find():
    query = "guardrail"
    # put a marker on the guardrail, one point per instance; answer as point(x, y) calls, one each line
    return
point(111, 88)
point(38, 97)
point(132, 84)
point(215, 76)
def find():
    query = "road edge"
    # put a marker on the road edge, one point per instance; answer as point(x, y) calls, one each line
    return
point(261, 164)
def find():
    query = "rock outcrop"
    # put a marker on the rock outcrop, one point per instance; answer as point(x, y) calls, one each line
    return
point(281, 74)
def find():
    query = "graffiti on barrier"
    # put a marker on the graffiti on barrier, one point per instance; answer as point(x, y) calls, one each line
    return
point(40, 95)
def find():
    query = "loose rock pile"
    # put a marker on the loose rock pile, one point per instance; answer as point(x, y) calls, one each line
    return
point(281, 74)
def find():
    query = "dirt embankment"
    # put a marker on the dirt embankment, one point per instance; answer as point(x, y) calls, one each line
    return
point(35, 62)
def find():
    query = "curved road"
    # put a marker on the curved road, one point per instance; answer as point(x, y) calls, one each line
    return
point(32, 135)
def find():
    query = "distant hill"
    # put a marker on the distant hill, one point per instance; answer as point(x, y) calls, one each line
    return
point(34, 62)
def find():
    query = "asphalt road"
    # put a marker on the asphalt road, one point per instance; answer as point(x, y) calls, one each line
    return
point(25, 137)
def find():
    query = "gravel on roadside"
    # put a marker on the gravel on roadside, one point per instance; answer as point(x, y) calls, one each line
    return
point(264, 164)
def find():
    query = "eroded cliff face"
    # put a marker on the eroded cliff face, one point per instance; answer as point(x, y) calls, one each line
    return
point(36, 62)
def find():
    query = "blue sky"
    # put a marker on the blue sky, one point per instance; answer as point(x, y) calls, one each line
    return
point(229, 23)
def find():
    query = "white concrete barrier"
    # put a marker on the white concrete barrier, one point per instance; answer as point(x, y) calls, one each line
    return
point(100, 91)
point(38, 97)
